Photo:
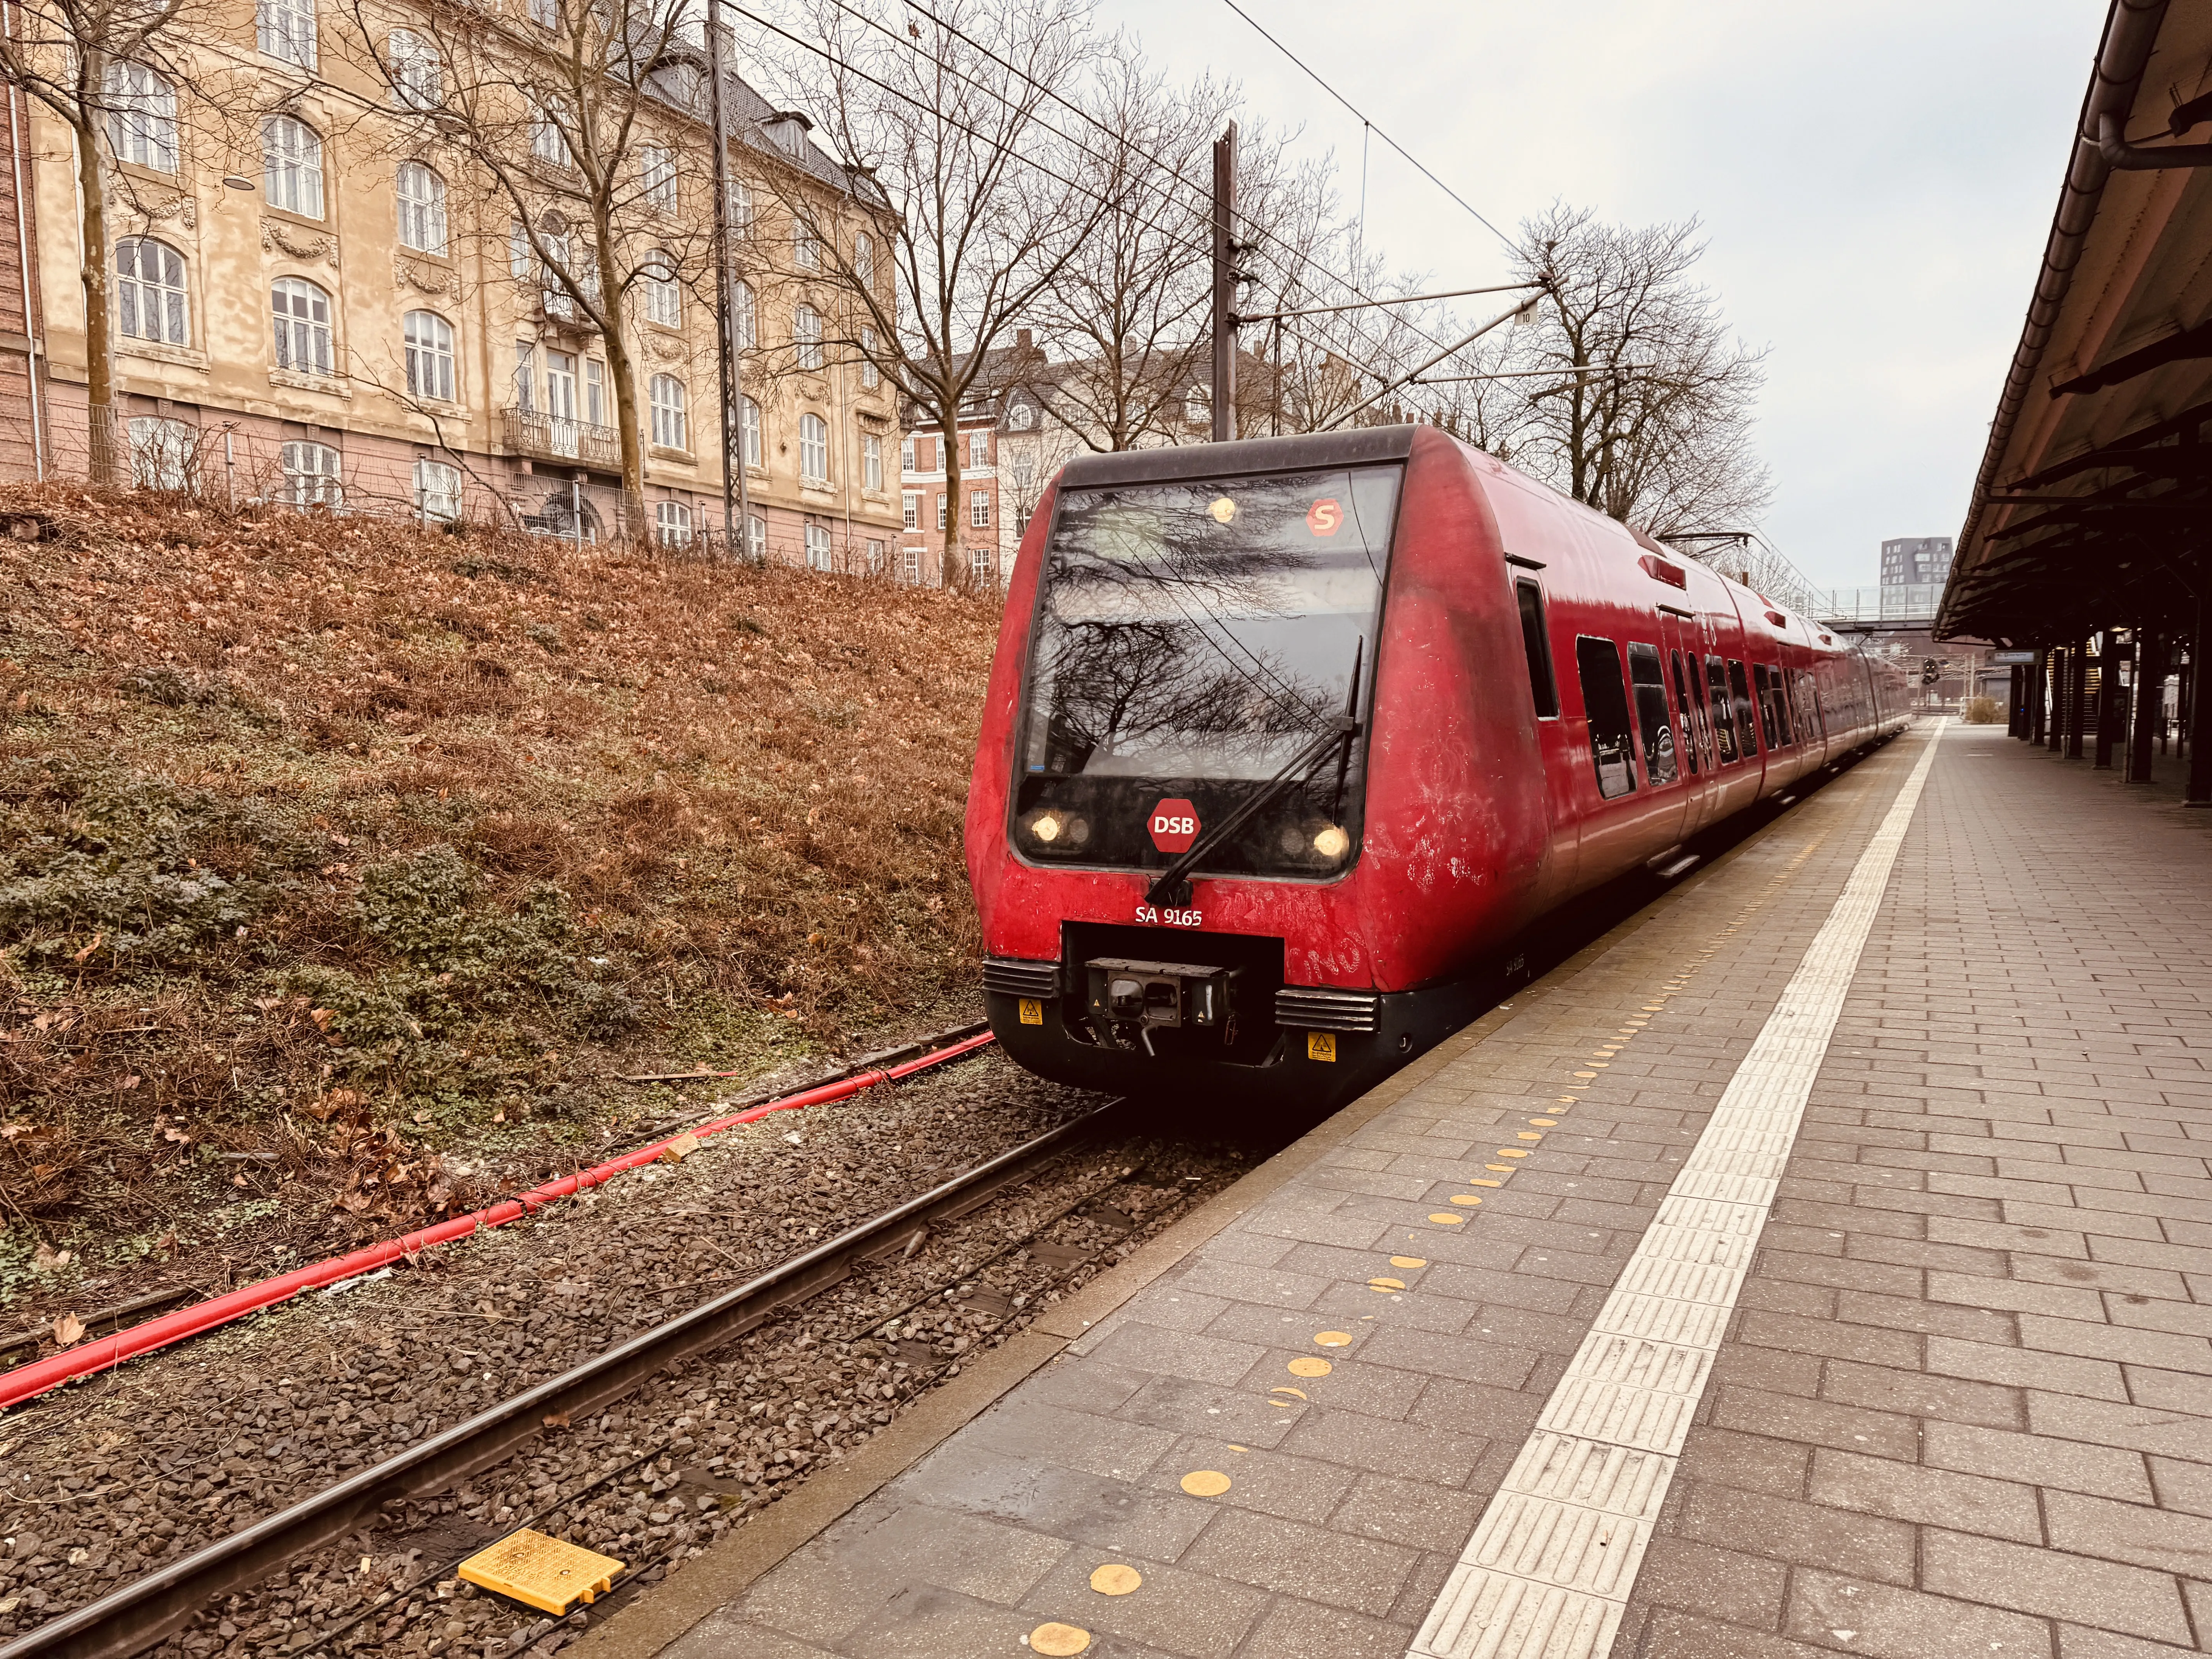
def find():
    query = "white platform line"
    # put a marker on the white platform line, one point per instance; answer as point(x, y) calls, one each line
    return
point(1547, 1573)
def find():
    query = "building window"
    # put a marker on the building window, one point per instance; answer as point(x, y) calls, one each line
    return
point(421, 208)
point(806, 336)
point(912, 502)
point(142, 122)
point(659, 169)
point(429, 342)
point(748, 431)
point(149, 291)
point(663, 295)
point(982, 565)
point(872, 462)
point(813, 450)
point(1020, 417)
point(548, 143)
point(418, 79)
point(437, 491)
point(979, 450)
point(818, 548)
point(940, 510)
point(673, 521)
point(743, 332)
point(906, 456)
point(864, 262)
point(546, 14)
point(595, 391)
point(669, 428)
point(164, 454)
point(302, 315)
point(910, 565)
point(757, 539)
point(875, 558)
point(1197, 407)
point(310, 476)
point(741, 208)
point(870, 377)
point(806, 246)
point(979, 510)
point(286, 31)
point(292, 166)
point(526, 376)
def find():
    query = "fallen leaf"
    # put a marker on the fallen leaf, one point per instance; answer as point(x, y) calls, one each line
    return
point(69, 1330)
point(81, 954)
point(556, 1419)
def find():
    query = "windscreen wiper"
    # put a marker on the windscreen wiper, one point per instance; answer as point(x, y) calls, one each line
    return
point(1172, 886)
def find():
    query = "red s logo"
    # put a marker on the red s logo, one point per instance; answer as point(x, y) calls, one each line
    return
point(1323, 517)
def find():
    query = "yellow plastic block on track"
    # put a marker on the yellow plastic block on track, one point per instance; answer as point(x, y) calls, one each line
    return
point(545, 1573)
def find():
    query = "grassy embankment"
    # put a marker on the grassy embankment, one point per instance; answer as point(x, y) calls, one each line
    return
point(344, 863)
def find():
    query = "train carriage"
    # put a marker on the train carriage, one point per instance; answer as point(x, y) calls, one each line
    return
point(1291, 743)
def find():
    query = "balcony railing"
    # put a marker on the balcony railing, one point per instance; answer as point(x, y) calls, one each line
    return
point(545, 437)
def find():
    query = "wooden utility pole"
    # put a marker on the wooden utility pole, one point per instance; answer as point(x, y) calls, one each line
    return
point(1224, 286)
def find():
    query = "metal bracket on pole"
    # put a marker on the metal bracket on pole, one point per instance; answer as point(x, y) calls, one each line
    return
point(1223, 390)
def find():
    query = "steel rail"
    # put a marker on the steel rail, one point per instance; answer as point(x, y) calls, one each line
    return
point(127, 1620)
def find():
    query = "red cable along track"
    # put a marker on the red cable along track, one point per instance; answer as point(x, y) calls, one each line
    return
point(27, 1381)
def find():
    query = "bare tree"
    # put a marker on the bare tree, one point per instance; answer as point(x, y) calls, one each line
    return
point(570, 120)
point(1649, 415)
point(122, 76)
point(947, 116)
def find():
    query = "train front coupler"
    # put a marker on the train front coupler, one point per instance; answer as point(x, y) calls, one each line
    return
point(1129, 1000)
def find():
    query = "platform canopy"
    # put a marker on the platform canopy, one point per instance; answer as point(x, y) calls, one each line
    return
point(2094, 498)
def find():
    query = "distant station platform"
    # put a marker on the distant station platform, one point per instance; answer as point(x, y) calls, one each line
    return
point(1819, 1262)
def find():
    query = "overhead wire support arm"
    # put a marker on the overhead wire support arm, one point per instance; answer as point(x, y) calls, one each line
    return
point(1405, 380)
point(1408, 300)
point(1530, 373)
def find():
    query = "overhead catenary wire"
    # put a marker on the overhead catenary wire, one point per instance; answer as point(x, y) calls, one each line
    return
point(1368, 126)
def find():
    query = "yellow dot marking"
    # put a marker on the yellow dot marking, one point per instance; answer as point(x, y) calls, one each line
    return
point(1059, 1639)
point(1446, 1218)
point(1566, 1100)
point(1203, 1483)
point(1585, 1073)
point(1653, 1007)
point(1502, 1169)
point(1479, 1181)
point(1333, 1338)
point(1310, 1365)
point(1385, 1284)
point(1465, 1198)
point(1600, 1064)
point(1285, 1387)
point(1115, 1579)
point(1409, 1262)
point(1545, 1122)
point(1530, 1134)
point(1513, 1151)
point(1234, 1447)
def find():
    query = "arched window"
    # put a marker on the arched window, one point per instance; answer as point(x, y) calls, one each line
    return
point(292, 166)
point(864, 260)
point(165, 454)
point(418, 79)
point(673, 520)
point(870, 377)
point(430, 341)
point(302, 312)
point(670, 429)
point(813, 450)
point(664, 297)
point(818, 556)
point(437, 491)
point(149, 291)
point(313, 475)
point(748, 427)
point(286, 29)
point(422, 208)
point(806, 336)
point(142, 122)
point(1019, 417)
point(742, 329)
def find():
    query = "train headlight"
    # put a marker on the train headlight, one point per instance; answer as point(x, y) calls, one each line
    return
point(1046, 827)
point(1332, 843)
point(1079, 830)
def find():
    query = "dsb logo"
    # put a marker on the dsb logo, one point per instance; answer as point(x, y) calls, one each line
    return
point(1174, 825)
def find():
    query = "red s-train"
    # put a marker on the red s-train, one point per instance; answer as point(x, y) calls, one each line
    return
point(1289, 743)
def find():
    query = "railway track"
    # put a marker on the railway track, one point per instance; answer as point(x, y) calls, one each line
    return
point(868, 1318)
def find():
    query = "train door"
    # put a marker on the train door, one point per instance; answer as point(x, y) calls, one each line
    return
point(1679, 642)
point(1665, 746)
point(1555, 742)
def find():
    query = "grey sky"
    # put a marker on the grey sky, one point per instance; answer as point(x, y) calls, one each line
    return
point(1876, 180)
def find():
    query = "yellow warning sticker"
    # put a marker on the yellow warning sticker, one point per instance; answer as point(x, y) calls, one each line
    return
point(1321, 1045)
point(1032, 1012)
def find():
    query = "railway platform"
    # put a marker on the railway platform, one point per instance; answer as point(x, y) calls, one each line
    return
point(1819, 1262)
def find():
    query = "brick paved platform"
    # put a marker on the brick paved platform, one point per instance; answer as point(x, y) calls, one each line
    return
point(1963, 1400)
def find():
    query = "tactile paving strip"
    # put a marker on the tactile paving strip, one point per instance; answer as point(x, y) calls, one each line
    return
point(1547, 1573)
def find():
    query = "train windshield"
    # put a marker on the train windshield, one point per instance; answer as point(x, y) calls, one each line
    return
point(1193, 639)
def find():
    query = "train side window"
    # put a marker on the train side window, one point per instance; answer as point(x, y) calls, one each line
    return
point(1813, 716)
point(1716, 704)
point(1652, 714)
point(1777, 687)
point(1740, 689)
point(1605, 701)
point(1687, 704)
point(1537, 642)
